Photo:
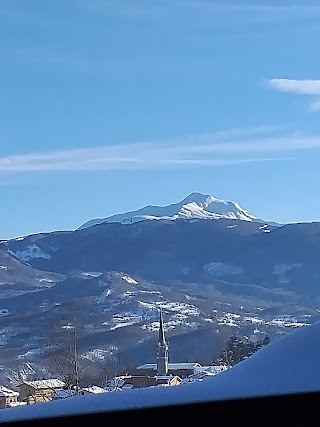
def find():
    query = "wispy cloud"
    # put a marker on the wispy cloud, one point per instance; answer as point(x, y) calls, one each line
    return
point(211, 149)
point(303, 87)
point(300, 87)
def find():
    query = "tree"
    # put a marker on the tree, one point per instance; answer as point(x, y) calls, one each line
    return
point(67, 363)
point(238, 349)
point(65, 358)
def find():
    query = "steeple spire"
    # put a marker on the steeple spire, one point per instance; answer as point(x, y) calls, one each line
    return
point(162, 338)
point(162, 349)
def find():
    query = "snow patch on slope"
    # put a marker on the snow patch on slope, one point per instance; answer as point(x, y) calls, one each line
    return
point(130, 280)
point(30, 252)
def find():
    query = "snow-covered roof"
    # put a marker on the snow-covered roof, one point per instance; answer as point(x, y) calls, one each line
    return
point(172, 366)
point(93, 389)
point(62, 394)
point(289, 364)
point(6, 392)
point(198, 376)
point(214, 369)
point(49, 383)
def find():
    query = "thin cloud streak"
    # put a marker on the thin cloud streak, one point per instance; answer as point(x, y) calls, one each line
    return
point(302, 87)
point(191, 151)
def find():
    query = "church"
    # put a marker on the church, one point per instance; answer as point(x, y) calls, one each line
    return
point(163, 373)
point(163, 367)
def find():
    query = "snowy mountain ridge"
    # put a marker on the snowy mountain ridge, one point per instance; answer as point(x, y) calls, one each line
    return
point(195, 206)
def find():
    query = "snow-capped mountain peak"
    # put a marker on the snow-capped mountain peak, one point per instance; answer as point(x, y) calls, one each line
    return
point(194, 206)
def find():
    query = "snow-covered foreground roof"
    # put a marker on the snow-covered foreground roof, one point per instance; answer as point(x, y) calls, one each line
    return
point(287, 365)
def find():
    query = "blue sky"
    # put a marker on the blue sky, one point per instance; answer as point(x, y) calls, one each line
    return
point(107, 106)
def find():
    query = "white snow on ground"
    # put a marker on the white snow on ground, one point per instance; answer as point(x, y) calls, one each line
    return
point(102, 298)
point(254, 320)
point(189, 297)
point(282, 322)
point(4, 312)
point(154, 326)
point(129, 279)
point(68, 326)
point(228, 319)
point(121, 325)
point(91, 274)
point(177, 307)
point(31, 353)
point(98, 354)
point(46, 280)
point(150, 292)
point(32, 251)
point(121, 320)
point(2, 267)
point(93, 390)
point(289, 364)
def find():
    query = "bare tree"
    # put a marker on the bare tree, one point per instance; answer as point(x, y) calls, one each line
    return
point(68, 364)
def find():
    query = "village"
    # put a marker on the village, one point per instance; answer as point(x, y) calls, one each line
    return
point(159, 374)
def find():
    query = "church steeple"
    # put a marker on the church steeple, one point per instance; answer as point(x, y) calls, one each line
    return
point(162, 350)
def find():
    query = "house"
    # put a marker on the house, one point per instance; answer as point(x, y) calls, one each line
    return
point(64, 394)
point(197, 377)
point(8, 398)
point(40, 390)
point(203, 372)
point(141, 381)
point(182, 370)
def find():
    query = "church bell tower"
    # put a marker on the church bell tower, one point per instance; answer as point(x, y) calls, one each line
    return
point(162, 350)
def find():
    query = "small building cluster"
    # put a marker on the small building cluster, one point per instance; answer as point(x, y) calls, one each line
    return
point(162, 374)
